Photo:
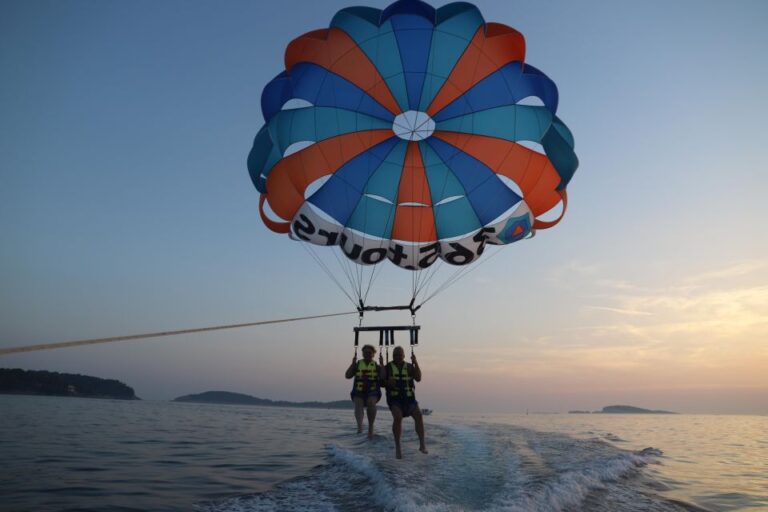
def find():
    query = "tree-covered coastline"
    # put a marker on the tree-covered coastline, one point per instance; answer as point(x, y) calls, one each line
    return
point(622, 409)
point(227, 397)
point(38, 382)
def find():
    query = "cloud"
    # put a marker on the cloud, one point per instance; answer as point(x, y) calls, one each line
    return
point(737, 269)
point(620, 311)
point(697, 329)
point(712, 304)
point(571, 270)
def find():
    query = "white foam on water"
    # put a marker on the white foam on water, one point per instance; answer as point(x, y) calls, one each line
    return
point(382, 491)
point(399, 497)
point(570, 488)
point(469, 469)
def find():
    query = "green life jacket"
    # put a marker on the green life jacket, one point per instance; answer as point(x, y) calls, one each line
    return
point(404, 384)
point(366, 377)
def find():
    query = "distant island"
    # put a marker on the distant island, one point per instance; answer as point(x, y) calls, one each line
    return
point(227, 397)
point(15, 381)
point(622, 409)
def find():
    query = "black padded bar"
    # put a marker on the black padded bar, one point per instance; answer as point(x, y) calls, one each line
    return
point(389, 328)
point(384, 308)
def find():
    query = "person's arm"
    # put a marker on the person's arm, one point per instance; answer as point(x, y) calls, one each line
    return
point(416, 369)
point(352, 370)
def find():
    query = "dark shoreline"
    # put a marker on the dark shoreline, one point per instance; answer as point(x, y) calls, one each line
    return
point(15, 381)
point(230, 398)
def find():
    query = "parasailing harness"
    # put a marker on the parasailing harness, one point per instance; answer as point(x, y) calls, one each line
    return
point(387, 332)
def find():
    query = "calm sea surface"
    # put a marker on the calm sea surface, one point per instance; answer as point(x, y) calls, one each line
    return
point(61, 454)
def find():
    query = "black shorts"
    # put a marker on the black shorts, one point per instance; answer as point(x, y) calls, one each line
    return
point(406, 405)
point(365, 396)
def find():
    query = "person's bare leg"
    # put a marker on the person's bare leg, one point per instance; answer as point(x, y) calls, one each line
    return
point(371, 415)
point(397, 430)
point(359, 413)
point(418, 419)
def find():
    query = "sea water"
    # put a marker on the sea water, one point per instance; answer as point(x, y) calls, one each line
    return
point(59, 454)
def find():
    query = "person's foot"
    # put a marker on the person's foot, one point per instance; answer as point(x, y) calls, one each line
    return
point(398, 453)
point(359, 430)
point(370, 434)
point(423, 449)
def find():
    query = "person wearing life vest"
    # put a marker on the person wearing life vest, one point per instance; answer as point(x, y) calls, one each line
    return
point(400, 378)
point(366, 389)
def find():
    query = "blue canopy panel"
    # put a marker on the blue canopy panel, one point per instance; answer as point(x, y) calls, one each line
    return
point(413, 46)
point(455, 216)
point(412, 7)
point(505, 86)
point(375, 213)
point(457, 24)
point(511, 122)
point(414, 40)
point(275, 94)
point(262, 158)
point(385, 181)
point(442, 182)
point(487, 194)
point(563, 131)
point(373, 217)
point(558, 145)
point(257, 158)
point(320, 87)
point(339, 196)
point(318, 123)
point(378, 43)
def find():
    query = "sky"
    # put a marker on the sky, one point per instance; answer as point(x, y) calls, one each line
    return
point(126, 207)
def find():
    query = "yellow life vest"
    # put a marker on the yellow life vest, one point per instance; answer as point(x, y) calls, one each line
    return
point(366, 377)
point(403, 382)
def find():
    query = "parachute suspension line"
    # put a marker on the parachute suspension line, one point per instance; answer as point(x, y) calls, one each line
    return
point(360, 273)
point(440, 265)
point(357, 273)
point(421, 276)
point(425, 277)
point(415, 283)
point(328, 272)
point(346, 269)
point(455, 277)
point(464, 271)
point(374, 274)
point(95, 341)
point(457, 274)
point(427, 281)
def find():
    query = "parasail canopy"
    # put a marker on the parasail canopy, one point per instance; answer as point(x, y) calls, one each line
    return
point(410, 134)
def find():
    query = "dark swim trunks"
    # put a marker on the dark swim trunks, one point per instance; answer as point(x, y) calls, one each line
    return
point(407, 406)
point(374, 392)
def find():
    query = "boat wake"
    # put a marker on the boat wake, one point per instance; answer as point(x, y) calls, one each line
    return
point(489, 468)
